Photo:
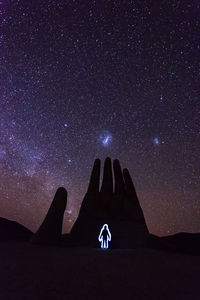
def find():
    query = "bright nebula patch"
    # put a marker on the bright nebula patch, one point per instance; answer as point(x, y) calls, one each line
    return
point(156, 141)
point(105, 138)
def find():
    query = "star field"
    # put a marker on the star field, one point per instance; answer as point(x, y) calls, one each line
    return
point(87, 79)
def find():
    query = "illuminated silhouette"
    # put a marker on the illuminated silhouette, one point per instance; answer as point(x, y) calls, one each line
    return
point(104, 236)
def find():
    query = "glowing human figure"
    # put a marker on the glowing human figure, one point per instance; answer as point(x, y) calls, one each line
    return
point(104, 236)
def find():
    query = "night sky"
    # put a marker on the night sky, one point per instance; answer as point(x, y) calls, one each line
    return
point(83, 79)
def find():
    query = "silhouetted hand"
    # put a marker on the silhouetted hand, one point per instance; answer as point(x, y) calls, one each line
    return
point(120, 209)
point(51, 229)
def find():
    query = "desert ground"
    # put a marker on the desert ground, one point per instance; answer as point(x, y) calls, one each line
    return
point(40, 272)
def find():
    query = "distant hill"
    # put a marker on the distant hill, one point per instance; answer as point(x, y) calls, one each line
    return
point(13, 231)
point(183, 242)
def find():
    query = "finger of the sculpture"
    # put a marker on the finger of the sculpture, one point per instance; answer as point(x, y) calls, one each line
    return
point(107, 183)
point(59, 202)
point(119, 181)
point(130, 189)
point(95, 177)
point(51, 229)
point(129, 183)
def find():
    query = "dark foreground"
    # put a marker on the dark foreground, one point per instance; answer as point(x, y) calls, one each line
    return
point(34, 272)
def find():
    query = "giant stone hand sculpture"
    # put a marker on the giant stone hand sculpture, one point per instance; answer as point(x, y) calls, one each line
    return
point(119, 208)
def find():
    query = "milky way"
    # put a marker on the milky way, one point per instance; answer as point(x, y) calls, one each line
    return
point(86, 79)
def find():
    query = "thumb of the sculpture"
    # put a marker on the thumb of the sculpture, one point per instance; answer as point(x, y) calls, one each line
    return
point(50, 230)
